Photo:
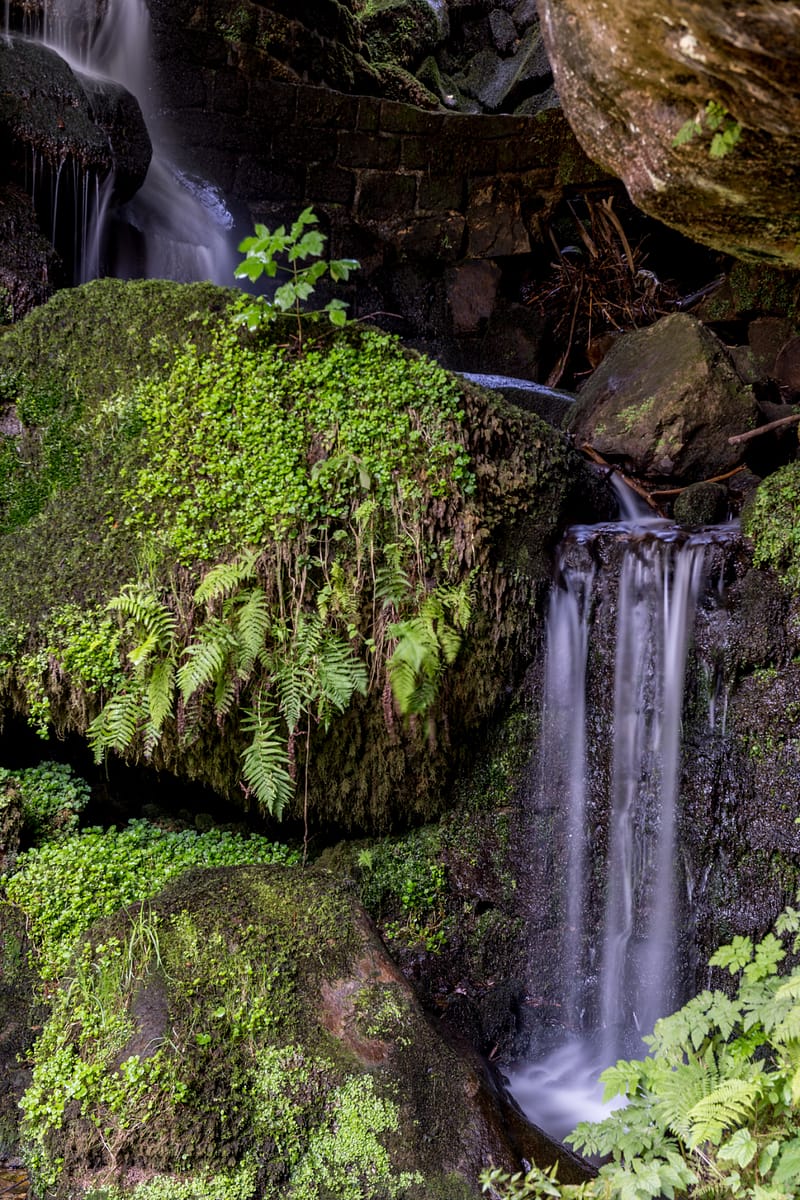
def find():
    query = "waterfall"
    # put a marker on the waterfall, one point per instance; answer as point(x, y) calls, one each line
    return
point(605, 805)
point(175, 227)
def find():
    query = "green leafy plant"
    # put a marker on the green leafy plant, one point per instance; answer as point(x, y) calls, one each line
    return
point(263, 254)
point(713, 1110)
point(64, 886)
point(726, 130)
point(51, 798)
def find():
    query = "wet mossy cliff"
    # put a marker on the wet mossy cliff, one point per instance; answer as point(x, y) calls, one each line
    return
point(322, 564)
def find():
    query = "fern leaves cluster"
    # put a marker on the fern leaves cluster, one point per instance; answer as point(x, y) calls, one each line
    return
point(713, 1110)
point(277, 675)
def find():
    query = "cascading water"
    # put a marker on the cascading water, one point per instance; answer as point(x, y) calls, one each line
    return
point(175, 227)
point(606, 962)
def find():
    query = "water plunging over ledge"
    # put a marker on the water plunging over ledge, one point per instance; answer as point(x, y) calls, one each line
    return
point(606, 959)
point(175, 227)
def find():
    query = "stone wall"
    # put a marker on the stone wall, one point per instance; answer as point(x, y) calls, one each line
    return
point(413, 194)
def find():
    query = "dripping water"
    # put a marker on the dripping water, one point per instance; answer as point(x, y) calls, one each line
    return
point(619, 627)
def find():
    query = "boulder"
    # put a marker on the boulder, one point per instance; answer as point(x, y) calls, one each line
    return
point(664, 401)
point(701, 504)
point(400, 31)
point(260, 1042)
point(67, 538)
point(499, 82)
point(631, 73)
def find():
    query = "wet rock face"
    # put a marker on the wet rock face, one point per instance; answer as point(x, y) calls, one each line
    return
point(664, 401)
point(741, 778)
point(61, 115)
point(28, 263)
point(62, 134)
point(630, 73)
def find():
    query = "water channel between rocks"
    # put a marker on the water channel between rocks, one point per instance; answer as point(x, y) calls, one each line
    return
point(608, 956)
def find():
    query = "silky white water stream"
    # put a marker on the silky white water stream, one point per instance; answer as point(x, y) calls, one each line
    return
point(179, 226)
point(610, 744)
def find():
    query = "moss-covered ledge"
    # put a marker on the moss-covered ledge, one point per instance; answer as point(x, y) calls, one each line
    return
point(244, 1034)
point(350, 540)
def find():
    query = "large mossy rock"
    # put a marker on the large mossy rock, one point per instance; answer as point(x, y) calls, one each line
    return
point(631, 73)
point(245, 1034)
point(664, 402)
point(382, 528)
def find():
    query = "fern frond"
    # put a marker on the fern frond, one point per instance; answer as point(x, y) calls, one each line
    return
point(224, 578)
point(309, 634)
point(727, 1107)
point(265, 763)
point(153, 618)
point(295, 687)
point(339, 674)
point(207, 659)
point(415, 665)
point(161, 693)
point(225, 694)
point(116, 725)
point(252, 626)
point(392, 584)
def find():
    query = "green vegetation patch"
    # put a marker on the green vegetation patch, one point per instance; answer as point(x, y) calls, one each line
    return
point(712, 1109)
point(64, 886)
point(248, 443)
point(257, 539)
point(771, 520)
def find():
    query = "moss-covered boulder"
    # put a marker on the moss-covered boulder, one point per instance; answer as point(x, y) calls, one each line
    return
point(244, 1034)
point(288, 541)
point(664, 401)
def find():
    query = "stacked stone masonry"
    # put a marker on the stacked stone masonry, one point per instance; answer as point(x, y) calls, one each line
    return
point(433, 185)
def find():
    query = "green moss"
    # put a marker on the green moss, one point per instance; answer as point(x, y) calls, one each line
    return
point(101, 338)
point(362, 491)
point(771, 520)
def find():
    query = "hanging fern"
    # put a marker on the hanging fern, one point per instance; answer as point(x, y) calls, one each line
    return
point(207, 661)
point(265, 761)
point(226, 577)
point(117, 724)
point(426, 643)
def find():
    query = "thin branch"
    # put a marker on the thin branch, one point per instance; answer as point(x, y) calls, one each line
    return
point(636, 487)
point(666, 492)
point(754, 433)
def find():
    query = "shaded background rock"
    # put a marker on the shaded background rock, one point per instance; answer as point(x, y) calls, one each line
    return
point(629, 74)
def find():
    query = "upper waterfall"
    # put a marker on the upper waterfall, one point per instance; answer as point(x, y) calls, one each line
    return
point(176, 226)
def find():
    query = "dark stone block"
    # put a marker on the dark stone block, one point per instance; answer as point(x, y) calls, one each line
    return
point(368, 150)
point(331, 184)
point(259, 179)
point(404, 118)
point(304, 145)
point(230, 91)
point(383, 194)
point(369, 113)
point(321, 108)
point(439, 239)
point(274, 102)
point(521, 154)
point(440, 192)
